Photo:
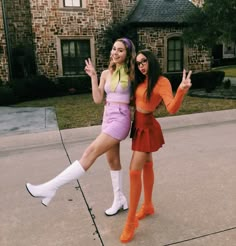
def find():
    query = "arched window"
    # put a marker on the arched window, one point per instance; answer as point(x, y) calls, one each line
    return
point(175, 54)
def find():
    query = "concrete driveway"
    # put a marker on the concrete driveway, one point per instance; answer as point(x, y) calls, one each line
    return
point(194, 193)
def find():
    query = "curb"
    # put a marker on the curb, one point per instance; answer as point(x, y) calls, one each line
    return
point(84, 134)
point(197, 119)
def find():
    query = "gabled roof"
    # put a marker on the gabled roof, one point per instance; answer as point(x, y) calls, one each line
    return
point(160, 11)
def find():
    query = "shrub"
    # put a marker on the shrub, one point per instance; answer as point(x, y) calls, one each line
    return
point(41, 87)
point(7, 96)
point(23, 61)
point(227, 84)
point(74, 85)
point(175, 79)
point(218, 76)
point(20, 88)
point(207, 80)
point(33, 87)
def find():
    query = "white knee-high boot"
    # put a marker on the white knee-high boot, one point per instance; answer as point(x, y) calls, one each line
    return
point(119, 201)
point(46, 191)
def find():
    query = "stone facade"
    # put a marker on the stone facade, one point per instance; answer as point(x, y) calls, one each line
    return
point(19, 22)
point(19, 32)
point(45, 23)
point(122, 8)
point(4, 73)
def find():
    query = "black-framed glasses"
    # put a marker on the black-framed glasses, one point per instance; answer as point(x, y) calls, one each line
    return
point(142, 62)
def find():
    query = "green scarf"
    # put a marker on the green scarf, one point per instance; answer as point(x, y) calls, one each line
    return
point(119, 76)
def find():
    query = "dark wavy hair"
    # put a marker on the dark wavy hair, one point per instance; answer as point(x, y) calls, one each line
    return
point(154, 72)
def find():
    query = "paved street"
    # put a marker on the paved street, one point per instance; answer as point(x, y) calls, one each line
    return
point(194, 193)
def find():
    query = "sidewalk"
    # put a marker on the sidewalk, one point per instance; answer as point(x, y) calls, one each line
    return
point(194, 191)
point(232, 80)
point(15, 120)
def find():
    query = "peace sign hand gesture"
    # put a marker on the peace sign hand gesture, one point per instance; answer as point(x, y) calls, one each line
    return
point(89, 68)
point(186, 81)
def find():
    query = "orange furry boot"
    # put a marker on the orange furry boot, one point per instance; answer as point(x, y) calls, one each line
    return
point(144, 211)
point(128, 231)
point(148, 181)
point(135, 191)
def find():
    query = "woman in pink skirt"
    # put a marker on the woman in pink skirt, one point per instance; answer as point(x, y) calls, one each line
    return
point(116, 82)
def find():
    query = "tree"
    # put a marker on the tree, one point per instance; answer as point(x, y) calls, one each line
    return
point(211, 24)
point(115, 31)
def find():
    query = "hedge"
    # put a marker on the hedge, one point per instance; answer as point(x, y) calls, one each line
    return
point(207, 80)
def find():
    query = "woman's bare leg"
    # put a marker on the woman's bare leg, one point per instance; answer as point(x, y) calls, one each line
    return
point(99, 146)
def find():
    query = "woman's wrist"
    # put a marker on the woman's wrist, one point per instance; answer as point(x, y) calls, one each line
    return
point(94, 75)
point(183, 87)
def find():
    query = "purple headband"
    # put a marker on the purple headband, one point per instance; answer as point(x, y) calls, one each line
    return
point(128, 43)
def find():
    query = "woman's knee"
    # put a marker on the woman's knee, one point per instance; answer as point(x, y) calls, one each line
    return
point(114, 164)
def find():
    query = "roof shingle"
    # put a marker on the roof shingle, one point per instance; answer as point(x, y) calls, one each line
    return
point(160, 11)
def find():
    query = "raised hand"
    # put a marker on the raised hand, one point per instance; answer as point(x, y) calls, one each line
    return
point(186, 81)
point(89, 68)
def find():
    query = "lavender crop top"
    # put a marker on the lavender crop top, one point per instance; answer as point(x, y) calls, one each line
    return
point(119, 95)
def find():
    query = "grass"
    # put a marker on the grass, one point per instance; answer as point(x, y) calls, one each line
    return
point(230, 71)
point(80, 110)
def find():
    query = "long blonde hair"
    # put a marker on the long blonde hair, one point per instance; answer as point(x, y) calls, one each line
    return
point(129, 60)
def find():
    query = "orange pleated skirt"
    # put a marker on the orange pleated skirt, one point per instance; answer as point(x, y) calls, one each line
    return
point(146, 133)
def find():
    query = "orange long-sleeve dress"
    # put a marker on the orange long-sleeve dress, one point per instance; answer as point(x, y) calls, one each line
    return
point(146, 132)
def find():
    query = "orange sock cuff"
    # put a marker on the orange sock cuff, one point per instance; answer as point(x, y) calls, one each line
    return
point(149, 163)
point(135, 172)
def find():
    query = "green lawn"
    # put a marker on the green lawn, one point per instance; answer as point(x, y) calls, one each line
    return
point(230, 71)
point(80, 110)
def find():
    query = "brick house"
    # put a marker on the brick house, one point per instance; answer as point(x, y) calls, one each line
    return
point(159, 27)
point(59, 34)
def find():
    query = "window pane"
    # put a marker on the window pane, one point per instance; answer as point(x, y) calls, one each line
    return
point(171, 44)
point(72, 3)
point(178, 66)
point(178, 54)
point(171, 55)
point(171, 67)
point(177, 44)
point(65, 49)
point(68, 3)
point(72, 49)
point(85, 50)
point(76, 3)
